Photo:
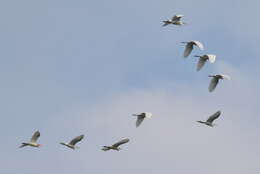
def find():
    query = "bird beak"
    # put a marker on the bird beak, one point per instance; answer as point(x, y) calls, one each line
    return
point(196, 56)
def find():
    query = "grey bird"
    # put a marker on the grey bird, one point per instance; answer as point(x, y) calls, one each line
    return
point(116, 145)
point(204, 58)
point(210, 120)
point(175, 20)
point(73, 142)
point(33, 141)
point(141, 117)
point(189, 47)
point(215, 79)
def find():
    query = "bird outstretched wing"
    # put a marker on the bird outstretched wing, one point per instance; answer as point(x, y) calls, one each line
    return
point(201, 63)
point(76, 140)
point(211, 57)
point(35, 136)
point(139, 120)
point(198, 44)
point(121, 142)
point(214, 116)
point(225, 77)
point(177, 17)
point(213, 83)
point(188, 49)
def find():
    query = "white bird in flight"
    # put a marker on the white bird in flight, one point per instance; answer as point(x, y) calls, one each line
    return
point(175, 20)
point(116, 145)
point(210, 120)
point(189, 47)
point(204, 58)
point(141, 117)
point(73, 142)
point(33, 141)
point(215, 79)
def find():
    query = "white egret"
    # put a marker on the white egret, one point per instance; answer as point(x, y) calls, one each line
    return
point(204, 58)
point(141, 117)
point(215, 79)
point(33, 141)
point(116, 145)
point(210, 120)
point(175, 20)
point(189, 47)
point(73, 142)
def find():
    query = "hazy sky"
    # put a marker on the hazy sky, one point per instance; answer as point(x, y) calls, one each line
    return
point(83, 67)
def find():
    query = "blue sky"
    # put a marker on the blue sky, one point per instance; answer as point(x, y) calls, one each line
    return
point(83, 67)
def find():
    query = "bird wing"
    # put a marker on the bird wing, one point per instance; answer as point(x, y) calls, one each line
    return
point(198, 44)
point(201, 63)
point(139, 120)
point(188, 50)
point(213, 84)
point(148, 114)
point(177, 17)
point(214, 116)
point(211, 57)
point(76, 140)
point(225, 77)
point(35, 136)
point(121, 142)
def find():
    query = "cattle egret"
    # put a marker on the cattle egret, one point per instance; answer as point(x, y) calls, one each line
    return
point(141, 117)
point(116, 145)
point(189, 47)
point(175, 20)
point(33, 141)
point(203, 59)
point(215, 79)
point(210, 120)
point(73, 142)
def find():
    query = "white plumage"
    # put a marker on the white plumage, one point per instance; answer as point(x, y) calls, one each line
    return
point(141, 117)
point(215, 79)
point(189, 47)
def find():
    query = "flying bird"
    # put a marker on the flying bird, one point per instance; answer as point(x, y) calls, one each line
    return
point(203, 59)
point(175, 20)
point(141, 117)
point(189, 47)
point(116, 145)
point(73, 142)
point(215, 79)
point(33, 141)
point(210, 120)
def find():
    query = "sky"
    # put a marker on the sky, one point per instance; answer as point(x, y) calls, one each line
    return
point(83, 67)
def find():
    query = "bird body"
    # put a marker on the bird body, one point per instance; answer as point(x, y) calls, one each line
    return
point(116, 145)
point(33, 141)
point(189, 47)
point(141, 117)
point(210, 120)
point(204, 58)
point(175, 20)
point(73, 142)
point(215, 79)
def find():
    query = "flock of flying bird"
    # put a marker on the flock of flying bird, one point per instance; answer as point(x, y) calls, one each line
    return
point(175, 20)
